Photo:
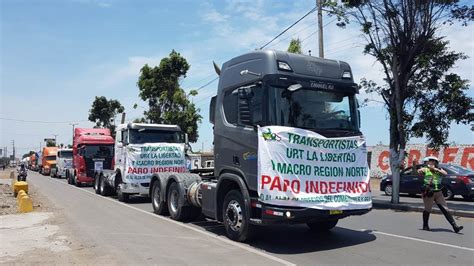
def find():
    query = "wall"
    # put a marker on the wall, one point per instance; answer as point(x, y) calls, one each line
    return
point(380, 157)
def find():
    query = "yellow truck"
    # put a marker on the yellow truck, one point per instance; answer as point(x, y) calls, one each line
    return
point(48, 159)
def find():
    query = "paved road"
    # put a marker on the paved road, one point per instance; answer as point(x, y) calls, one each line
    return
point(133, 234)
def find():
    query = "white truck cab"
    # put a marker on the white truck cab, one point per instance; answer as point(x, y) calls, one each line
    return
point(63, 162)
point(142, 150)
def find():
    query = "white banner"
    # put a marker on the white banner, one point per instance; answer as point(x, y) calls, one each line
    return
point(144, 160)
point(301, 168)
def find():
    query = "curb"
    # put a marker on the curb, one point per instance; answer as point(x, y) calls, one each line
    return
point(406, 207)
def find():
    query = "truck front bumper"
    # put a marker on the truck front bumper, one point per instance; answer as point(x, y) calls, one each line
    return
point(136, 188)
point(61, 172)
point(278, 215)
point(85, 179)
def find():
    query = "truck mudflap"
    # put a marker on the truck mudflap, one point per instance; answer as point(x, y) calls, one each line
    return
point(273, 215)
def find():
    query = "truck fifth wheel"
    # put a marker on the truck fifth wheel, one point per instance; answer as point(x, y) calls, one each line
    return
point(287, 148)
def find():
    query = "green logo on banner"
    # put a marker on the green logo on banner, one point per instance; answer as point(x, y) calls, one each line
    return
point(269, 136)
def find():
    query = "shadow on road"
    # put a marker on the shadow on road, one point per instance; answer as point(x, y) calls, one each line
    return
point(139, 200)
point(296, 239)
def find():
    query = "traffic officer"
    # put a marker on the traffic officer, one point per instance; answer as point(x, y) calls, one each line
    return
point(432, 192)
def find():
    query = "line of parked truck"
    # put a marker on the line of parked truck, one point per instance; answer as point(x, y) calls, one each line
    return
point(263, 89)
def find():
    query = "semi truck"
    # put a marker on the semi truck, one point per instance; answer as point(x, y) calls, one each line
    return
point(32, 162)
point(141, 150)
point(63, 163)
point(287, 146)
point(93, 149)
point(39, 161)
point(48, 160)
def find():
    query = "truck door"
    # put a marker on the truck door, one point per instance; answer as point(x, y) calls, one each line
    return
point(235, 134)
point(121, 141)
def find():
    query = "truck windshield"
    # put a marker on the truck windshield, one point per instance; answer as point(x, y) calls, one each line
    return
point(154, 136)
point(65, 154)
point(98, 151)
point(50, 158)
point(310, 108)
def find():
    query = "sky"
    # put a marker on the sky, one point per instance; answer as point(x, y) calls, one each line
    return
point(57, 55)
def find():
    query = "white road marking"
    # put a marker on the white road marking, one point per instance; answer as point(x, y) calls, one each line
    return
point(220, 238)
point(419, 240)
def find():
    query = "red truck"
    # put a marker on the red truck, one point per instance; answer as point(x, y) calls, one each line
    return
point(93, 150)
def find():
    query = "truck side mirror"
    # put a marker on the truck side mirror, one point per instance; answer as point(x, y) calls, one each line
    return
point(245, 95)
point(212, 110)
point(358, 118)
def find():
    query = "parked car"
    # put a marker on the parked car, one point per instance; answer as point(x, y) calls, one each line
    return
point(458, 181)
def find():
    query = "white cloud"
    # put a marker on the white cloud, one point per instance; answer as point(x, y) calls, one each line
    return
point(210, 14)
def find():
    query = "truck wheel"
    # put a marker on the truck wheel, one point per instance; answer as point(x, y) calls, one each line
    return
point(96, 184)
point(236, 222)
point(123, 197)
point(76, 183)
point(322, 226)
point(159, 205)
point(104, 189)
point(177, 212)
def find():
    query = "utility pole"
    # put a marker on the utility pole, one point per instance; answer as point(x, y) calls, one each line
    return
point(73, 125)
point(13, 144)
point(319, 4)
point(55, 142)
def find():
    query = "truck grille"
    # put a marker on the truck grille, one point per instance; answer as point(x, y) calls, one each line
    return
point(90, 166)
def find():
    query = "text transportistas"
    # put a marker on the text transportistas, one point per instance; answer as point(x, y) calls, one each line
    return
point(144, 160)
point(301, 168)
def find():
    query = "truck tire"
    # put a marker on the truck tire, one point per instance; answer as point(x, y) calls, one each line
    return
point(322, 226)
point(236, 222)
point(104, 189)
point(96, 184)
point(123, 197)
point(76, 183)
point(159, 205)
point(176, 210)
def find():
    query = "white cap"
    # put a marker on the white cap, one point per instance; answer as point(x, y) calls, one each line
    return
point(433, 158)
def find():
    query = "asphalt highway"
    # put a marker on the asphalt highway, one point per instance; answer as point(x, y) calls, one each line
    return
point(133, 234)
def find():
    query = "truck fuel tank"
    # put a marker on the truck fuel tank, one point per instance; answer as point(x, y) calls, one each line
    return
point(208, 198)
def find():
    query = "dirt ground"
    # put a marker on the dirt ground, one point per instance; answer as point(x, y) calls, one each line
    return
point(8, 203)
point(43, 236)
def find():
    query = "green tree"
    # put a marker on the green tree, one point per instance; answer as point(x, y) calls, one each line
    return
point(421, 93)
point(27, 154)
point(168, 103)
point(295, 46)
point(103, 113)
point(50, 143)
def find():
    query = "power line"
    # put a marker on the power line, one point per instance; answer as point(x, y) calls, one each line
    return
point(207, 84)
point(313, 33)
point(291, 26)
point(201, 80)
point(286, 38)
point(37, 121)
